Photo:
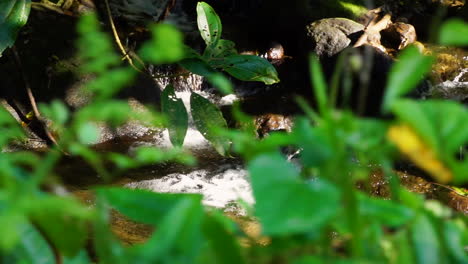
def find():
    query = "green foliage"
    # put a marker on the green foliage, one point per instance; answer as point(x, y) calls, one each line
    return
point(13, 15)
point(407, 72)
point(221, 54)
point(168, 41)
point(209, 24)
point(208, 120)
point(176, 113)
point(250, 68)
point(454, 32)
point(271, 172)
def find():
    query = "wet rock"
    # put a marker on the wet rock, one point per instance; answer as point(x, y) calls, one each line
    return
point(272, 122)
point(331, 35)
point(399, 35)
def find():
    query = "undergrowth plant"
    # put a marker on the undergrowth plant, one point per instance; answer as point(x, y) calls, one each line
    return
point(310, 211)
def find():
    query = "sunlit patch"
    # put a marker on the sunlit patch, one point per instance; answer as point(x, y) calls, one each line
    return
point(409, 143)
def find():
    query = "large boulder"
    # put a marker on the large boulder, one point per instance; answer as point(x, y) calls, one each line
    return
point(329, 36)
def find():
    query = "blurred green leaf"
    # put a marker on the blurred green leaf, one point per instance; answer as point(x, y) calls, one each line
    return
point(315, 143)
point(95, 47)
point(225, 245)
point(221, 82)
point(208, 119)
point(111, 111)
point(166, 45)
point(64, 222)
point(179, 237)
point(142, 205)
point(108, 84)
point(209, 24)
point(88, 133)
point(11, 222)
point(453, 236)
point(319, 84)
point(454, 32)
point(80, 258)
point(57, 111)
point(386, 212)
point(32, 248)
point(402, 252)
point(249, 68)
point(13, 15)
point(284, 203)
point(176, 114)
point(405, 74)
point(425, 241)
point(108, 249)
point(152, 155)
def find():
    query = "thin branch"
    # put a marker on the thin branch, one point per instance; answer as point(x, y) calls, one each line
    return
point(49, 138)
point(117, 38)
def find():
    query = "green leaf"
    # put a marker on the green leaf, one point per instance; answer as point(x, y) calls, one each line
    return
point(403, 252)
point(178, 239)
point(166, 46)
point(209, 24)
point(316, 145)
point(11, 221)
point(64, 222)
point(95, 47)
point(13, 15)
point(142, 205)
point(405, 74)
point(108, 249)
point(220, 81)
point(453, 236)
point(284, 203)
point(57, 111)
point(454, 32)
point(249, 68)
point(151, 155)
point(176, 114)
point(386, 212)
point(33, 248)
point(222, 49)
point(425, 241)
point(88, 133)
point(319, 84)
point(208, 120)
point(225, 246)
point(111, 82)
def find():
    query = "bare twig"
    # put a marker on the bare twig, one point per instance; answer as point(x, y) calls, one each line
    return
point(117, 38)
point(48, 136)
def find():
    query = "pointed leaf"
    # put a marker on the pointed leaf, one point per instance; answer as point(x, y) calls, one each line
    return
point(249, 68)
point(166, 45)
point(209, 24)
point(176, 114)
point(208, 120)
point(454, 32)
point(284, 203)
point(405, 74)
point(13, 15)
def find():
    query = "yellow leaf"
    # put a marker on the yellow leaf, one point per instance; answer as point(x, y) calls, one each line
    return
point(410, 144)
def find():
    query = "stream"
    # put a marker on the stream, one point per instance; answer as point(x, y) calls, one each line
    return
point(224, 182)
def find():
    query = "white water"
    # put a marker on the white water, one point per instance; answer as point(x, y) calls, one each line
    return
point(222, 183)
point(456, 89)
